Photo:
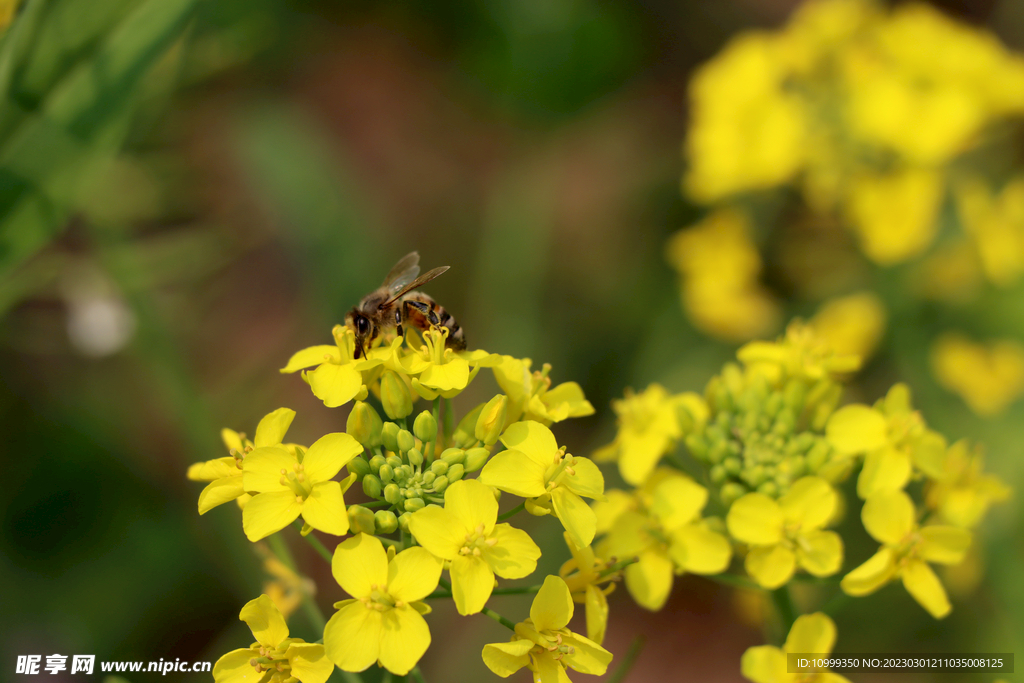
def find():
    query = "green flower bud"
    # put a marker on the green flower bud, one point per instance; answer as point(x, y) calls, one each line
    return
point(732, 491)
point(773, 403)
point(428, 478)
point(476, 458)
point(769, 488)
point(455, 472)
point(371, 486)
point(492, 420)
point(718, 475)
point(697, 446)
point(733, 466)
point(406, 471)
point(359, 467)
point(818, 455)
point(389, 436)
point(439, 467)
point(718, 451)
point(794, 394)
point(440, 484)
point(401, 475)
point(453, 455)
point(415, 457)
point(360, 519)
point(364, 424)
point(376, 462)
point(395, 396)
point(406, 442)
point(392, 493)
point(385, 521)
point(386, 473)
point(465, 433)
point(403, 521)
point(394, 461)
point(425, 427)
point(754, 476)
point(414, 504)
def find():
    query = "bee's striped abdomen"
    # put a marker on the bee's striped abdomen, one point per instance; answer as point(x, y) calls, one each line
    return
point(423, 312)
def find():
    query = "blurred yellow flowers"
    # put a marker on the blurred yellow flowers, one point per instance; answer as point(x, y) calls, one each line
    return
point(889, 517)
point(543, 644)
point(383, 622)
point(464, 533)
point(274, 657)
point(989, 377)
point(811, 633)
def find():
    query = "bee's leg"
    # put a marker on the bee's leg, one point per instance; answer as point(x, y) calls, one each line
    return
point(426, 309)
point(398, 321)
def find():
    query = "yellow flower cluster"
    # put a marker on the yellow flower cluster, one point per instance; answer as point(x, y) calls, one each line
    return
point(772, 443)
point(424, 515)
point(863, 109)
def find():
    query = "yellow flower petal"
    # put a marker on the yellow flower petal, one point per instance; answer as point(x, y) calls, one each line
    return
point(597, 613)
point(472, 504)
point(472, 583)
point(335, 384)
point(856, 429)
point(328, 455)
point(888, 516)
point(649, 581)
point(514, 556)
point(413, 574)
point(548, 669)
point(514, 472)
point(265, 621)
point(268, 513)
point(608, 510)
point(697, 549)
point(352, 637)
point(314, 355)
point(925, 587)
point(272, 428)
point(811, 633)
point(533, 439)
point(552, 607)
point(505, 659)
point(764, 664)
point(451, 375)
point(575, 515)
point(587, 656)
point(220, 491)
point(771, 566)
point(820, 553)
point(438, 531)
point(586, 479)
point(879, 569)
point(404, 638)
point(944, 544)
point(234, 667)
point(756, 519)
point(678, 501)
point(887, 469)
point(309, 662)
point(261, 469)
point(324, 509)
point(810, 502)
point(213, 469)
point(627, 537)
point(360, 562)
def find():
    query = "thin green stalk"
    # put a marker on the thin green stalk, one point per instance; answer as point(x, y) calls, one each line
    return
point(386, 678)
point(498, 618)
point(375, 504)
point(389, 541)
point(628, 661)
point(514, 511)
point(734, 581)
point(417, 675)
point(618, 566)
point(315, 542)
point(520, 590)
point(280, 548)
point(836, 604)
point(449, 421)
point(783, 602)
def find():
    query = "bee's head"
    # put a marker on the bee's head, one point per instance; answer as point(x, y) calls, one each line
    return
point(362, 327)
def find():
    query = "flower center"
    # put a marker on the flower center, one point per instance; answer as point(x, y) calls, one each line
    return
point(380, 600)
point(271, 659)
point(476, 542)
point(297, 481)
point(559, 469)
point(434, 349)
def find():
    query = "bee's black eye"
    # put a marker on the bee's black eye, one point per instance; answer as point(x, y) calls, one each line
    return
point(362, 326)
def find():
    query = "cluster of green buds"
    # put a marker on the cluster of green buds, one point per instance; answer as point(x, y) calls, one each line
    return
point(401, 468)
point(766, 429)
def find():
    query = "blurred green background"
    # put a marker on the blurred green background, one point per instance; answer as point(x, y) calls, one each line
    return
point(192, 190)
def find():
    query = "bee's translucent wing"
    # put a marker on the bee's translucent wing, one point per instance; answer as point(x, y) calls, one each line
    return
point(418, 282)
point(403, 272)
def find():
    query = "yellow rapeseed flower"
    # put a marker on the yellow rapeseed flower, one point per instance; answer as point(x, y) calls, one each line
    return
point(274, 657)
point(465, 534)
point(584, 574)
point(996, 225)
point(337, 378)
point(531, 396)
point(962, 492)
point(551, 480)
point(852, 325)
point(989, 377)
point(889, 517)
point(290, 485)
point(810, 634)
point(383, 623)
point(788, 533)
point(544, 645)
point(225, 474)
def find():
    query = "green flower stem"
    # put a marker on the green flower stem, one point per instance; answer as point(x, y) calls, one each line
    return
point(317, 545)
point(617, 567)
point(349, 677)
point(279, 547)
point(783, 602)
point(437, 421)
point(449, 421)
point(520, 590)
point(389, 541)
point(417, 675)
point(628, 661)
point(375, 504)
point(836, 604)
point(386, 678)
point(735, 581)
point(498, 618)
point(514, 511)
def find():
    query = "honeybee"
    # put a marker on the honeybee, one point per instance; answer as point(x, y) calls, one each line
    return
point(395, 304)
